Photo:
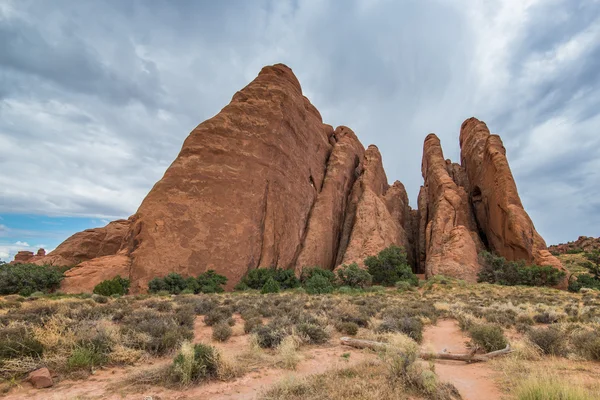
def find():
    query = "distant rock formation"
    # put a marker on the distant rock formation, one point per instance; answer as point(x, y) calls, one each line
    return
point(583, 243)
point(266, 183)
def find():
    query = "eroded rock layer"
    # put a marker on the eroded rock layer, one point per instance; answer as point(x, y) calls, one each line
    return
point(265, 183)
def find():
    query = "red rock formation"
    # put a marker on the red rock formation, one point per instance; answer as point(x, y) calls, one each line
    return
point(376, 214)
point(506, 227)
point(85, 276)
point(241, 191)
point(583, 243)
point(23, 257)
point(448, 231)
point(266, 183)
point(87, 245)
point(324, 230)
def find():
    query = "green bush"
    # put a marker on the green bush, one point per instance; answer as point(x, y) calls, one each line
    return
point(286, 278)
point(498, 270)
point(318, 284)
point(487, 336)
point(270, 286)
point(108, 287)
point(222, 332)
point(211, 282)
point(550, 340)
point(257, 278)
point(390, 266)
point(25, 279)
point(309, 272)
point(576, 283)
point(403, 286)
point(173, 283)
point(353, 276)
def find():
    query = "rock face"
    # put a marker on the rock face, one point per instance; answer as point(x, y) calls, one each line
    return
point(87, 245)
point(266, 183)
point(376, 215)
point(447, 228)
point(503, 223)
point(583, 243)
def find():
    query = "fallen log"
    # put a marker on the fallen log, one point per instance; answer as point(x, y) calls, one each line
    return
point(468, 358)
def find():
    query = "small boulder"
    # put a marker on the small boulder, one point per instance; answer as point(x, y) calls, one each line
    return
point(40, 378)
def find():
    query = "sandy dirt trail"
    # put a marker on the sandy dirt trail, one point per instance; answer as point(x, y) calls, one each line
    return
point(473, 381)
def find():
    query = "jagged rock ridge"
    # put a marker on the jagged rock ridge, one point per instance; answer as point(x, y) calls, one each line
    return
point(266, 183)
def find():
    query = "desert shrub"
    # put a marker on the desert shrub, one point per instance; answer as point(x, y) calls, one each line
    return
point(251, 324)
point(545, 317)
point(318, 284)
point(194, 363)
point(100, 299)
point(161, 333)
point(390, 266)
point(403, 286)
point(217, 315)
point(496, 269)
point(347, 328)
point(403, 371)
point(184, 316)
point(211, 282)
point(312, 333)
point(108, 287)
point(173, 283)
point(586, 344)
point(411, 327)
point(576, 283)
point(270, 335)
point(25, 279)
point(488, 336)
point(310, 272)
point(550, 340)
point(221, 332)
point(353, 276)
point(17, 342)
point(270, 286)
point(257, 278)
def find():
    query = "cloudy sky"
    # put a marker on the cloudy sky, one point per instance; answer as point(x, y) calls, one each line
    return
point(96, 98)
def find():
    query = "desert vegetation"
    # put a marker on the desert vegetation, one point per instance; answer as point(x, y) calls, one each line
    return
point(194, 336)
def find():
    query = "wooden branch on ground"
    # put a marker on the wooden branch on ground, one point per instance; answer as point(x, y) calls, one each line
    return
point(468, 358)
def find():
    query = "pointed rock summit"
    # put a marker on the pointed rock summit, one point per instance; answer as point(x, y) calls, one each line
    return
point(266, 183)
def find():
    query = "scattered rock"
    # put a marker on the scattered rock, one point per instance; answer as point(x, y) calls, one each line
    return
point(40, 378)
